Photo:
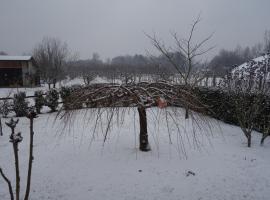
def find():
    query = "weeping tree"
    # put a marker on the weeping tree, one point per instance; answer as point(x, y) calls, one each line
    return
point(190, 69)
point(139, 95)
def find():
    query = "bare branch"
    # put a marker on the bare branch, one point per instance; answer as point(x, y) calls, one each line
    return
point(8, 183)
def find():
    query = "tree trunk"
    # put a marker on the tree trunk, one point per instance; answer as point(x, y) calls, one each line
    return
point(31, 158)
point(214, 81)
point(263, 138)
point(186, 113)
point(15, 149)
point(249, 140)
point(1, 130)
point(54, 83)
point(144, 144)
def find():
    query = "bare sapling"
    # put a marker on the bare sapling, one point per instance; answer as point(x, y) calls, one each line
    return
point(190, 69)
point(15, 139)
point(31, 115)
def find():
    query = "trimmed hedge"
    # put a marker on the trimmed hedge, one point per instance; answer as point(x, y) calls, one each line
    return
point(222, 107)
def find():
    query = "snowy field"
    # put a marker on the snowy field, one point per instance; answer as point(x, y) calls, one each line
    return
point(74, 164)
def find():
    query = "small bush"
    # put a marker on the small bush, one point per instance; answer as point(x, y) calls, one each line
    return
point(20, 105)
point(5, 108)
point(39, 101)
point(52, 99)
point(64, 94)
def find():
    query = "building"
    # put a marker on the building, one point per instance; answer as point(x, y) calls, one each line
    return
point(18, 71)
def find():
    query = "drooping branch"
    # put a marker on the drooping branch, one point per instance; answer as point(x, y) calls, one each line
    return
point(141, 95)
point(8, 183)
point(135, 94)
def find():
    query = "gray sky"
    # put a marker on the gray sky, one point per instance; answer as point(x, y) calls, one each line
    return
point(116, 27)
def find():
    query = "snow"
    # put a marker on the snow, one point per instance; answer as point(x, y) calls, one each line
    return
point(257, 60)
point(245, 65)
point(9, 92)
point(73, 163)
point(21, 58)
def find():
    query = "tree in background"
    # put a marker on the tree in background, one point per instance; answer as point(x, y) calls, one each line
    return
point(51, 54)
point(189, 70)
point(226, 60)
point(222, 63)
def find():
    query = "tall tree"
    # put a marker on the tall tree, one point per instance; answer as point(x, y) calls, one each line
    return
point(51, 55)
point(190, 51)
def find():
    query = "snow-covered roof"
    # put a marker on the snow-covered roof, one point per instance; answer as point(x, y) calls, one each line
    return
point(20, 58)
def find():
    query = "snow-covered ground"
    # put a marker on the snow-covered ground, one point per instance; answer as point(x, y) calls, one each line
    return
point(73, 164)
point(9, 92)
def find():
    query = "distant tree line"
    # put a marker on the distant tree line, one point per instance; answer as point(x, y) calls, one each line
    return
point(56, 62)
point(123, 67)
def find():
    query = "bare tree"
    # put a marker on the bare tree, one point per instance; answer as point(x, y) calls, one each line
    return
point(188, 70)
point(87, 78)
point(31, 115)
point(126, 77)
point(51, 55)
point(265, 127)
point(15, 139)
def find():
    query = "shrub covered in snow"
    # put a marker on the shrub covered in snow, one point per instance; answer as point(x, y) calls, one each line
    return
point(52, 99)
point(20, 105)
point(64, 94)
point(39, 100)
point(5, 108)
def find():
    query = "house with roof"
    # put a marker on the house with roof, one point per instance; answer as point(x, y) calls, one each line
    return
point(18, 71)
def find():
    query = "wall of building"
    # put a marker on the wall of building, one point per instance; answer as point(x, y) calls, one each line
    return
point(29, 72)
point(19, 72)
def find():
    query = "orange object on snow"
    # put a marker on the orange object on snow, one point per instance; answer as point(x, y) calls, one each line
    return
point(162, 103)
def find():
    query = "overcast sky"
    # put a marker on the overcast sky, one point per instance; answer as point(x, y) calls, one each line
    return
point(116, 27)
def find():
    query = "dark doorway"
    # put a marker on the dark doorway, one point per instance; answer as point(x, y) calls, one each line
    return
point(11, 77)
